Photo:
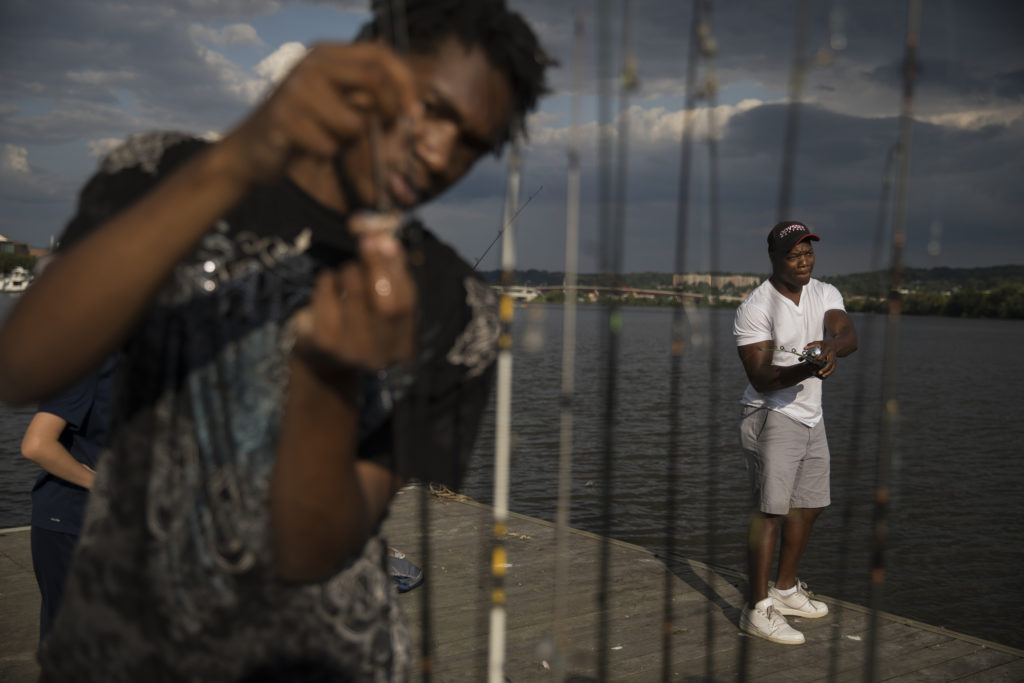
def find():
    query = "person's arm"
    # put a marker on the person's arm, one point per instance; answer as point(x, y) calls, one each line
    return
point(41, 444)
point(85, 304)
point(765, 377)
point(324, 502)
point(841, 342)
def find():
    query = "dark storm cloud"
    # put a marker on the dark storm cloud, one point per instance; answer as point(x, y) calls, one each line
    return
point(974, 44)
point(100, 69)
point(961, 182)
point(1010, 84)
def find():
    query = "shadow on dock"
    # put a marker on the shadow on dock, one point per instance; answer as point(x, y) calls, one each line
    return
point(705, 641)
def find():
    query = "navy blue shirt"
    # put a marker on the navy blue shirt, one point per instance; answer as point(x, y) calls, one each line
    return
point(59, 505)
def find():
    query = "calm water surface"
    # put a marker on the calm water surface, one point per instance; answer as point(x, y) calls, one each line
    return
point(957, 514)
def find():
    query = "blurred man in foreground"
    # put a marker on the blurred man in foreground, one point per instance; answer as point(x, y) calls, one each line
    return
point(292, 348)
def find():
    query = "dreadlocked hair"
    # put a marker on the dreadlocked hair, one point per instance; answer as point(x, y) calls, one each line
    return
point(508, 41)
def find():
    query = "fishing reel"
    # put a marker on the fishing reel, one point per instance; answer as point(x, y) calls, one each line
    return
point(812, 355)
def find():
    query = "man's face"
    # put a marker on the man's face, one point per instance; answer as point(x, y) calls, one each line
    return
point(794, 268)
point(467, 107)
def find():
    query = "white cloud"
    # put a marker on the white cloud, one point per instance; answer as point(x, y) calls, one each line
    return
point(653, 126)
point(276, 66)
point(230, 35)
point(15, 159)
point(243, 86)
point(975, 120)
point(232, 77)
point(20, 182)
point(100, 147)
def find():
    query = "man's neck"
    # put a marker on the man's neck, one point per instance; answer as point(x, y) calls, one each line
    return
point(791, 292)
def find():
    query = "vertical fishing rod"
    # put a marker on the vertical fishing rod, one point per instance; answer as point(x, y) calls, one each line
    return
point(612, 264)
point(395, 20)
point(710, 92)
point(572, 231)
point(797, 75)
point(604, 167)
point(796, 84)
point(502, 429)
point(890, 405)
point(678, 342)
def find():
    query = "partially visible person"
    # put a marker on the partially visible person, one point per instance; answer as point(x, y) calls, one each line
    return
point(290, 355)
point(790, 332)
point(65, 438)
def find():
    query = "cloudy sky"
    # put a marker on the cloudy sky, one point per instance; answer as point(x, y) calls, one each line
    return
point(77, 76)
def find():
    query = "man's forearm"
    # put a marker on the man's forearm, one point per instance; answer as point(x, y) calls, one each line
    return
point(87, 301)
point(322, 510)
point(775, 377)
point(57, 461)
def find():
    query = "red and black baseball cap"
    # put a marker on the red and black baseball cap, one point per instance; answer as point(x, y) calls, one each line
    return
point(787, 234)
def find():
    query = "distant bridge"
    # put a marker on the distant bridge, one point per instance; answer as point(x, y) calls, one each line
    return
point(524, 293)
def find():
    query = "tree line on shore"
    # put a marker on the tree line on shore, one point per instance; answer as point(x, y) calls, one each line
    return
point(990, 292)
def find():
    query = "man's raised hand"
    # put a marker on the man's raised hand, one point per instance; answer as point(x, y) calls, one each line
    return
point(322, 105)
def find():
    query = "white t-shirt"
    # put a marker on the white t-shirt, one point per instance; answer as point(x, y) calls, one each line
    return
point(767, 316)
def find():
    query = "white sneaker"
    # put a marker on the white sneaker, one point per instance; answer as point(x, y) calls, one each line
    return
point(798, 604)
point(765, 622)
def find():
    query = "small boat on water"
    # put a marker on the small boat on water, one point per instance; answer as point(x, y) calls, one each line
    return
point(16, 281)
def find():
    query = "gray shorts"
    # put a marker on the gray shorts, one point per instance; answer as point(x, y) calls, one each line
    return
point(788, 461)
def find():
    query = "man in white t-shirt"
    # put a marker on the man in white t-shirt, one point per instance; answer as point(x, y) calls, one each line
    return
point(789, 332)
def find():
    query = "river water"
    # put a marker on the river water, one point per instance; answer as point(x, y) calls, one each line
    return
point(956, 527)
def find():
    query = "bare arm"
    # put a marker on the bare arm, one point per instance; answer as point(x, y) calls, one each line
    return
point(87, 300)
point(764, 377)
point(85, 304)
point(41, 444)
point(841, 342)
point(324, 502)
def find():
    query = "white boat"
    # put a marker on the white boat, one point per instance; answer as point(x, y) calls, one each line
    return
point(16, 281)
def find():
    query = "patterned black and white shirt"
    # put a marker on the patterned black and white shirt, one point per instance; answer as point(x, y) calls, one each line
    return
point(173, 576)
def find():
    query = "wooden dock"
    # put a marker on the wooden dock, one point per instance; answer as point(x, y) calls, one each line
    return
point(706, 644)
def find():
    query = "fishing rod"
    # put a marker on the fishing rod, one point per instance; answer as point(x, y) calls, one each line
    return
point(811, 355)
point(889, 401)
point(612, 242)
point(561, 629)
point(675, 427)
point(505, 227)
point(502, 435)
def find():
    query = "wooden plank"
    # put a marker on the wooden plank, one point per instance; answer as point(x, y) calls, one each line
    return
point(1011, 672)
point(836, 644)
point(19, 608)
point(458, 577)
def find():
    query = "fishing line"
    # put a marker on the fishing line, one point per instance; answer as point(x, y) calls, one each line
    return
point(866, 345)
point(708, 50)
point(505, 226)
point(890, 406)
point(566, 396)
point(678, 340)
point(395, 25)
point(613, 248)
point(798, 72)
point(796, 84)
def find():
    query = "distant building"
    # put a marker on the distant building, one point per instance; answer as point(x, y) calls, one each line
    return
point(11, 247)
point(716, 281)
